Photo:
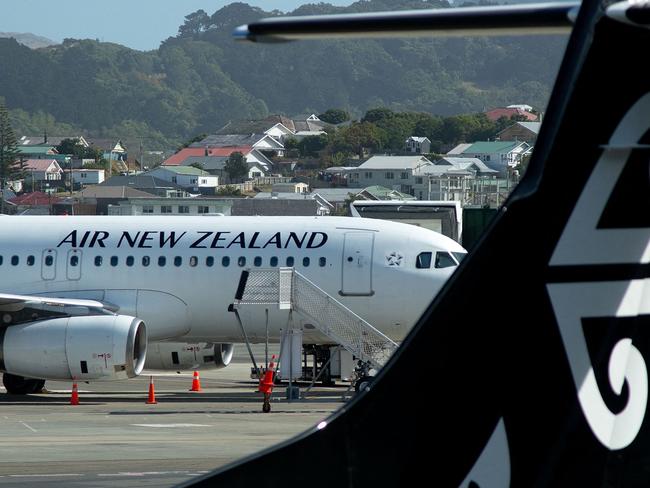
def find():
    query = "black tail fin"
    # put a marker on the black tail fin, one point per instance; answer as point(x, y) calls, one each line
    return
point(543, 380)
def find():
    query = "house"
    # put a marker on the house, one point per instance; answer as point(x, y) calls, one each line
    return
point(497, 155)
point(105, 196)
point(418, 145)
point(149, 184)
point(276, 207)
point(46, 139)
point(39, 170)
point(34, 203)
point(177, 206)
point(40, 152)
point(496, 113)
point(520, 131)
point(187, 176)
point(261, 142)
point(394, 172)
point(87, 176)
point(451, 179)
point(209, 160)
point(378, 192)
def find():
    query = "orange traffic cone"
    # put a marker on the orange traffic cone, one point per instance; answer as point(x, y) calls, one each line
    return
point(74, 399)
point(152, 395)
point(196, 383)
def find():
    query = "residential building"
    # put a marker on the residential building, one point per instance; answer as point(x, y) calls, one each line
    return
point(497, 155)
point(291, 187)
point(189, 177)
point(261, 142)
point(213, 160)
point(149, 184)
point(496, 113)
point(86, 176)
point(104, 196)
point(276, 207)
point(418, 145)
point(394, 172)
point(39, 170)
point(177, 206)
point(520, 131)
point(377, 192)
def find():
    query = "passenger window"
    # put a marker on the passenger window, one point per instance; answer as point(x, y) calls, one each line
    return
point(114, 261)
point(194, 261)
point(423, 260)
point(257, 261)
point(15, 260)
point(98, 260)
point(305, 262)
point(74, 260)
point(274, 262)
point(322, 262)
point(225, 261)
point(444, 260)
point(241, 261)
point(209, 261)
point(162, 260)
point(49, 260)
point(0, 260)
point(178, 261)
point(146, 260)
point(130, 260)
point(30, 260)
point(290, 261)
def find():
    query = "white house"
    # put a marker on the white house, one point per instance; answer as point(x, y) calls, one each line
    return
point(186, 176)
point(291, 187)
point(497, 155)
point(43, 170)
point(418, 145)
point(87, 176)
point(394, 172)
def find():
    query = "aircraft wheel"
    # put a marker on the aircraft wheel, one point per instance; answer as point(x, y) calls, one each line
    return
point(266, 407)
point(19, 385)
point(363, 383)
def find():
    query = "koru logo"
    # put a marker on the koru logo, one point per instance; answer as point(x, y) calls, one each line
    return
point(395, 258)
point(585, 307)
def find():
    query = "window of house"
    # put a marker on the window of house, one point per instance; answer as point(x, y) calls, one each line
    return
point(183, 209)
point(147, 209)
point(389, 175)
point(368, 175)
point(204, 209)
point(225, 261)
point(129, 261)
point(404, 175)
point(166, 209)
point(418, 180)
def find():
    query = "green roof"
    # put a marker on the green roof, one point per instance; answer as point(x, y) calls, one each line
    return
point(491, 147)
point(35, 149)
point(383, 193)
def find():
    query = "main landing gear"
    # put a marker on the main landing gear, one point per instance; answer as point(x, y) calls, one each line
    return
point(19, 385)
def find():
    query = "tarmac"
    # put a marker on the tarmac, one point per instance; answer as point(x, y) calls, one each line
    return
point(113, 438)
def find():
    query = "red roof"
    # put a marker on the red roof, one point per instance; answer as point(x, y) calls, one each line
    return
point(34, 198)
point(188, 152)
point(496, 113)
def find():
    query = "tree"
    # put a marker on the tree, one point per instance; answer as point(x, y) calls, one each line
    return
point(11, 166)
point(236, 166)
point(334, 116)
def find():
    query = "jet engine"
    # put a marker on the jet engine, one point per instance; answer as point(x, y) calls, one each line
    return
point(179, 356)
point(94, 347)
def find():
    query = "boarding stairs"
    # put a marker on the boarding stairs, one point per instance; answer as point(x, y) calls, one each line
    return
point(287, 289)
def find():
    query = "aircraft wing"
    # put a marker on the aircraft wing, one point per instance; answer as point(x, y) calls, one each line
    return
point(546, 18)
point(9, 302)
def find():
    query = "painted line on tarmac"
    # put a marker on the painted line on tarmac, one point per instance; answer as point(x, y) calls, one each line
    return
point(30, 428)
point(151, 473)
point(163, 426)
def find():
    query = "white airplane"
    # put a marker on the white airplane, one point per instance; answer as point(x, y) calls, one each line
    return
point(76, 292)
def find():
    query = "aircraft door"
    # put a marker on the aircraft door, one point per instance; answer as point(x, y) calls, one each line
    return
point(73, 267)
point(48, 264)
point(357, 264)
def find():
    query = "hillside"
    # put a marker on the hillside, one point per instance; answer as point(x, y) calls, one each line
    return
point(199, 80)
point(30, 40)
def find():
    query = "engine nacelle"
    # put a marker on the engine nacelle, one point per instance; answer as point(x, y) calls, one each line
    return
point(97, 347)
point(179, 356)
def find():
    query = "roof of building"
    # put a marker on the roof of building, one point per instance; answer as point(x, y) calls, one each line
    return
point(140, 182)
point(489, 147)
point(195, 152)
point(34, 198)
point(227, 140)
point(42, 150)
point(382, 193)
point(335, 194)
point(270, 207)
point(531, 126)
point(284, 195)
point(46, 139)
point(418, 139)
point(497, 113)
point(184, 170)
point(463, 163)
point(41, 164)
point(100, 191)
point(394, 162)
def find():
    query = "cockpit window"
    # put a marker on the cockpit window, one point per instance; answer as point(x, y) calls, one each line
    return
point(459, 256)
point(444, 260)
point(423, 261)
